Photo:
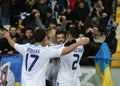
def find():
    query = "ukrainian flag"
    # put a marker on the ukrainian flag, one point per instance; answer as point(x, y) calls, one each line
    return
point(102, 60)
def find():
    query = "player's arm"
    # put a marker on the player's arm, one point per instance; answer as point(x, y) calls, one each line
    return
point(7, 36)
point(75, 45)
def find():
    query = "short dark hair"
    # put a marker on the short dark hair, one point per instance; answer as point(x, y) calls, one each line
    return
point(2, 28)
point(39, 35)
point(49, 10)
point(74, 32)
point(60, 31)
point(100, 29)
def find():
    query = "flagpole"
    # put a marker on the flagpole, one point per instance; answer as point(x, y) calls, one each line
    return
point(91, 57)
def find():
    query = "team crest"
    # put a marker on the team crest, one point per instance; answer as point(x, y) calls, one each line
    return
point(6, 75)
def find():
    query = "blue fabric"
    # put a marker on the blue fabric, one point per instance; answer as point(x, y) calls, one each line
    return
point(16, 64)
point(102, 58)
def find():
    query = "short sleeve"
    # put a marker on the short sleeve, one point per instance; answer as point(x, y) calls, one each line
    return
point(20, 48)
point(56, 52)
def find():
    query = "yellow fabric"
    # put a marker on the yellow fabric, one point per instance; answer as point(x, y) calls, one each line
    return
point(106, 77)
point(118, 1)
point(116, 63)
point(17, 84)
point(118, 12)
point(20, 25)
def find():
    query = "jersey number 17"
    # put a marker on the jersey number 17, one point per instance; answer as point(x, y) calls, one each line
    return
point(28, 56)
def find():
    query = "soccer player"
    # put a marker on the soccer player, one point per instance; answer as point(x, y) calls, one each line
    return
point(36, 57)
point(60, 36)
point(60, 39)
point(69, 69)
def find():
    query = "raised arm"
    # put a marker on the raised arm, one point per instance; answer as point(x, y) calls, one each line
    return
point(7, 36)
point(75, 45)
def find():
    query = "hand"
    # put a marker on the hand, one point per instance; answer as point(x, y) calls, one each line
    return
point(10, 52)
point(6, 34)
point(36, 13)
point(84, 40)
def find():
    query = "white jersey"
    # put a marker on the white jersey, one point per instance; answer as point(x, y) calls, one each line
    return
point(69, 69)
point(35, 62)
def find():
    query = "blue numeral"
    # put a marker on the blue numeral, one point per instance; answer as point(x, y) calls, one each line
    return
point(75, 62)
point(33, 63)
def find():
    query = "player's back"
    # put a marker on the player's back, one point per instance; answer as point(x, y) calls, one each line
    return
point(35, 62)
point(69, 66)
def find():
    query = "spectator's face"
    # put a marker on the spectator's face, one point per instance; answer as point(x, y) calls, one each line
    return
point(49, 15)
point(29, 34)
point(19, 32)
point(81, 35)
point(81, 5)
point(30, 0)
point(95, 31)
point(13, 31)
point(99, 3)
point(68, 10)
point(63, 18)
point(80, 24)
point(60, 38)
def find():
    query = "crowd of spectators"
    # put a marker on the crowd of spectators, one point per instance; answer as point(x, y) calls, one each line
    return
point(92, 18)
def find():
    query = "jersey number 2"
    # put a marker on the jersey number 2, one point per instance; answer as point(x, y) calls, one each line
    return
point(75, 62)
point(33, 63)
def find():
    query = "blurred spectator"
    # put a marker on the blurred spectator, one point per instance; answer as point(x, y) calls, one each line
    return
point(38, 19)
point(14, 12)
point(63, 22)
point(42, 6)
point(63, 4)
point(70, 25)
point(81, 11)
point(77, 3)
point(14, 36)
point(4, 45)
point(33, 20)
point(53, 25)
point(69, 15)
point(28, 6)
point(88, 2)
point(80, 27)
point(27, 38)
point(49, 18)
point(5, 5)
point(111, 39)
point(19, 32)
point(92, 19)
point(72, 4)
point(13, 33)
point(54, 5)
point(96, 39)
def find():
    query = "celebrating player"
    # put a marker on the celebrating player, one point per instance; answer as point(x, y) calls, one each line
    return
point(69, 69)
point(36, 57)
